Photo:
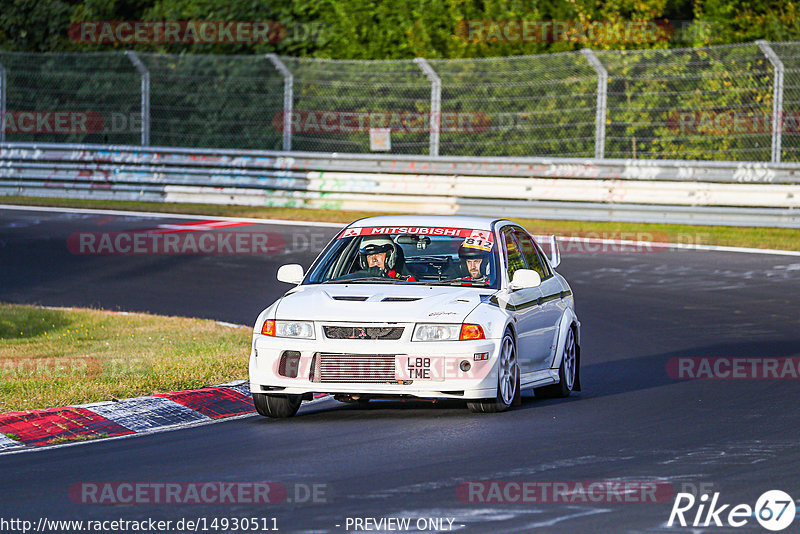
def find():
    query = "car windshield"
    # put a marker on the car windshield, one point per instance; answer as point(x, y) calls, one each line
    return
point(409, 255)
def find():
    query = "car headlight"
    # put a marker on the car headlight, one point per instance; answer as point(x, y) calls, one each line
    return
point(296, 329)
point(436, 332)
point(448, 332)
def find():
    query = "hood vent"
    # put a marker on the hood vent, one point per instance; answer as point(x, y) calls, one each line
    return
point(348, 297)
point(400, 299)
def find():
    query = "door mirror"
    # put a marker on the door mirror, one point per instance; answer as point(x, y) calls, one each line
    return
point(555, 252)
point(525, 278)
point(291, 273)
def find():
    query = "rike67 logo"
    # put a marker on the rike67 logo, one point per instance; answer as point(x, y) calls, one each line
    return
point(774, 510)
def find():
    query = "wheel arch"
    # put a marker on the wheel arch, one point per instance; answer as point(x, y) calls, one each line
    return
point(518, 394)
point(569, 321)
point(510, 326)
point(576, 326)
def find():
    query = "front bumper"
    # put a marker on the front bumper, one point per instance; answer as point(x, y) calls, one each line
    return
point(420, 369)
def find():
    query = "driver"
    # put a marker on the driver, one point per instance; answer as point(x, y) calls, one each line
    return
point(382, 255)
point(475, 262)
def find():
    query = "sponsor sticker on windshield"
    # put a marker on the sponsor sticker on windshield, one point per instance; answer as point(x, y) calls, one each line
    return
point(485, 235)
point(477, 243)
point(350, 232)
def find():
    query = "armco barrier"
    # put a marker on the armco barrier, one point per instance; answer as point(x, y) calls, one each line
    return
point(693, 192)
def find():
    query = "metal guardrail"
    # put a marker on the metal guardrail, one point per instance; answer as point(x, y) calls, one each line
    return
point(729, 193)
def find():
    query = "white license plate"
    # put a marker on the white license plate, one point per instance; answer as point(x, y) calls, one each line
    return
point(430, 368)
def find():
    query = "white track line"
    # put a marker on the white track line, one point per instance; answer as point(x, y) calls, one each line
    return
point(170, 215)
point(655, 244)
point(664, 245)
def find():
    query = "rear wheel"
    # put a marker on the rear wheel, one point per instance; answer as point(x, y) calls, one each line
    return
point(567, 371)
point(278, 406)
point(507, 380)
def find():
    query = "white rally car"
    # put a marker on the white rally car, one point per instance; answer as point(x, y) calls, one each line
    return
point(419, 306)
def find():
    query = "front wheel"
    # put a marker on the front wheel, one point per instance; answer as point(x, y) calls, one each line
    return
point(278, 406)
point(507, 380)
point(567, 371)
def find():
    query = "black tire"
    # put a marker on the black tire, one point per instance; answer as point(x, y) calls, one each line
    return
point(567, 372)
point(507, 380)
point(277, 406)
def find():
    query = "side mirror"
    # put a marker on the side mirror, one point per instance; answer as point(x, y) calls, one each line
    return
point(525, 278)
point(555, 252)
point(291, 273)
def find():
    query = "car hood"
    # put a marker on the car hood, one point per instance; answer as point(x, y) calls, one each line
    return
point(380, 303)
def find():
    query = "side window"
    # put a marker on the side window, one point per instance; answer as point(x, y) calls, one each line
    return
point(547, 270)
point(514, 258)
point(531, 254)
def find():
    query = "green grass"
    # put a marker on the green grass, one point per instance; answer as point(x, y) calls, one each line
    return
point(56, 357)
point(773, 238)
point(81, 437)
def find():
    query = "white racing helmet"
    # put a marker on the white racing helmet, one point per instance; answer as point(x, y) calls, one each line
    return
point(376, 245)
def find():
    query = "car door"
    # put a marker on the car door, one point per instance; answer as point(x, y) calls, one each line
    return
point(524, 305)
point(550, 308)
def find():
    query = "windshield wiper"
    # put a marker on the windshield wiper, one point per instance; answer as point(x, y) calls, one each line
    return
point(357, 280)
point(374, 279)
point(460, 279)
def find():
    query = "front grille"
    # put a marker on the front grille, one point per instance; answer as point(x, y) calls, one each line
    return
point(363, 332)
point(362, 368)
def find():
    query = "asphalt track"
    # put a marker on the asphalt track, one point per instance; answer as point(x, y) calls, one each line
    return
point(632, 422)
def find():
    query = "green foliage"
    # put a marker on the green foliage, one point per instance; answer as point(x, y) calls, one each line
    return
point(371, 29)
point(733, 21)
point(33, 25)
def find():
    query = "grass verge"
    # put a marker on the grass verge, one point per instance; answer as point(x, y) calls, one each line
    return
point(58, 357)
point(733, 236)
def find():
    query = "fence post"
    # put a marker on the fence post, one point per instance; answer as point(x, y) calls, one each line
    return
point(145, 95)
point(777, 98)
point(602, 97)
point(2, 104)
point(288, 100)
point(436, 104)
